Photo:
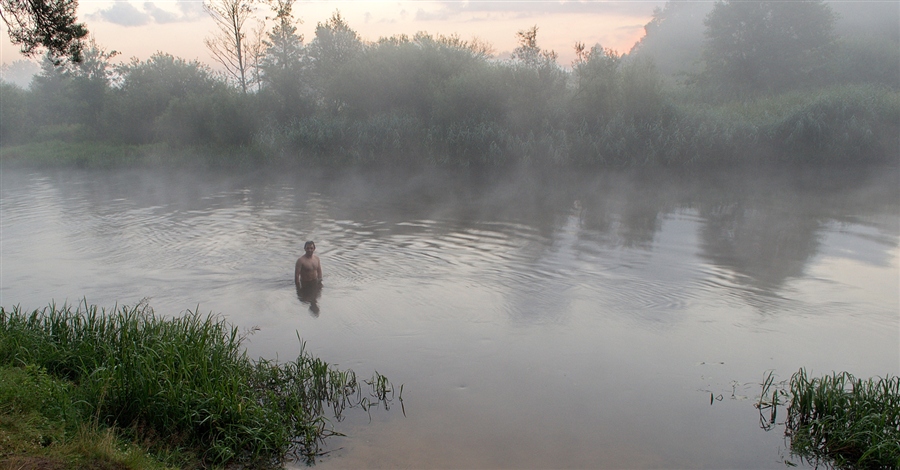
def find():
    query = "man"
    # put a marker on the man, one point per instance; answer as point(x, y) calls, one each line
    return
point(308, 270)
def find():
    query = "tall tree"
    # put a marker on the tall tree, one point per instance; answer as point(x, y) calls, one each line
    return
point(673, 38)
point(281, 66)
point(53, 103)
point(256, 51)
point(228, 44)
point(90, 86)
point(284, 47)
point(334, 46)
point(539, 82)
point(45, 24)
point(766, 46)
point(596, 75)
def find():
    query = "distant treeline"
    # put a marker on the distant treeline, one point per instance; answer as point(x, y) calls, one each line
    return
point(790, 89)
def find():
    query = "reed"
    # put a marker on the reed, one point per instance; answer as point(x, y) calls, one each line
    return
point(840, 420)
point(187, 378)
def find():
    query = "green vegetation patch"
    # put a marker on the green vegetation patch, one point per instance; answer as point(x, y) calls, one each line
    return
point(61, 153)
point(840, 420)
point(174, 384)
point(43, 426)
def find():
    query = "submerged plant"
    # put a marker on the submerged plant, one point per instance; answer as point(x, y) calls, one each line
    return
point(187, 378)
point(838, 419)
point(768, 402)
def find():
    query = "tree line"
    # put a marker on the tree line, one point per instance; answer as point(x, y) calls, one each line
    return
point(771, 80)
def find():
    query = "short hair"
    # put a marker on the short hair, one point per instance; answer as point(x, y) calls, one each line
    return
point(310, 242)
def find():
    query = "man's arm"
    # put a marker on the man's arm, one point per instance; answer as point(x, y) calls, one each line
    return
point(319, 269)
point(297, 272)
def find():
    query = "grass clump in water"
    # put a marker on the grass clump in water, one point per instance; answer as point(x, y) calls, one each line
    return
point(840, 420)
point(182, 382)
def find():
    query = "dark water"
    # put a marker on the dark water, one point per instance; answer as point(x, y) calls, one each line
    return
point(535, 320)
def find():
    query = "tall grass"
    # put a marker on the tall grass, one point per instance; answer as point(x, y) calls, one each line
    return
point(839, 420)
point(187, 378)
point(41, 427)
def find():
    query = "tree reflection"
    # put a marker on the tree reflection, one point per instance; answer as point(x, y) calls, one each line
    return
point(763, 245)
point(532, 235)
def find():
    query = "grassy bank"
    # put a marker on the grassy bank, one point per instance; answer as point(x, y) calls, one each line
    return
point(99, 154)
point(43, 426)
point(838, 420)
point(182, 387)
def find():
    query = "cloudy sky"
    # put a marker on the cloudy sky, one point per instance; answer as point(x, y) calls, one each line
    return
point(138, 28)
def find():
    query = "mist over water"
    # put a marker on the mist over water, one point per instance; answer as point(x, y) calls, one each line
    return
point(541, 320)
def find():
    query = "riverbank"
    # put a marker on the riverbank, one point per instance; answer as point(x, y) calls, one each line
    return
point(97, 389)
point(850, 124)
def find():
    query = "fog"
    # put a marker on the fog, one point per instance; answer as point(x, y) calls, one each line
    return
point(563, 263)
point(551, 319)
point(675, 38)
point(432, 99)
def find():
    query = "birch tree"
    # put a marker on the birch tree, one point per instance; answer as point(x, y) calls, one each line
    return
point(228, 44)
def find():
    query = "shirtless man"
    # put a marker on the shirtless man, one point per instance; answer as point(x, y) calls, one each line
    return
point(308, 270)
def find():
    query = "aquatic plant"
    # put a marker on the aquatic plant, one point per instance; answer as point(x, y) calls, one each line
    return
point(839, 420)
point(187, 378)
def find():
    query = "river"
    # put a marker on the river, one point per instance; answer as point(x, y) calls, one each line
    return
point(557, 319)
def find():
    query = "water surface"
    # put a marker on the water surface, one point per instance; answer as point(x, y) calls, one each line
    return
point(535, 320)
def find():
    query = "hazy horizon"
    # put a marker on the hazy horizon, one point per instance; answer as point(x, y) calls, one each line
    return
point(140, 29)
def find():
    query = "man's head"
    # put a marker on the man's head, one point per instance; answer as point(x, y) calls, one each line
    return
point(309, 246)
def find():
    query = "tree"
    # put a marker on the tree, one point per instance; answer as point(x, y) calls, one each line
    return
point(284, 47)
point(673, 38)
point(45, 24)
point(148, 88)
point(16, 114)
point(334, 46)
point(596, 74)
point(403, 75)
point(52, 101)
point(228, 45)
point(766, 46)
point(19, 72)
point(528, 51)
point(281, 67)
point(539, 84)
point(255, 51)
point(90, 86)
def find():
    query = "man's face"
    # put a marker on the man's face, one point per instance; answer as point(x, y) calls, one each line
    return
point(310, 249)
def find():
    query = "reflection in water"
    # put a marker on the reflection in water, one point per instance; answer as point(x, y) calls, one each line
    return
point(309, 294)
point(535, 318)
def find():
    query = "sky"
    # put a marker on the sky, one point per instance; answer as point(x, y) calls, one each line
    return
point(137, 29)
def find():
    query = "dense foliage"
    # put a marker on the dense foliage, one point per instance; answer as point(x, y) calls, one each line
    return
point(791, 89)
point(767, 46)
